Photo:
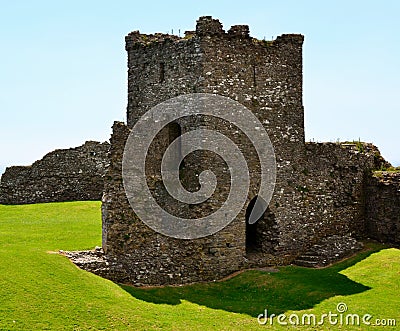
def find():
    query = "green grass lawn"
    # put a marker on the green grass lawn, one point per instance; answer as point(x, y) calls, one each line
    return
point(41, 290)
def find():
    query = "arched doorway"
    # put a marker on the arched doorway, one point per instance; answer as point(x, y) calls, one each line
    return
point(263, 235)
point(253, 235)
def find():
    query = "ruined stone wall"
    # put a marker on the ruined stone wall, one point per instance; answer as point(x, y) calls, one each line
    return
point(333, 188)
point(327, 199)
point(383, 207)
point(62, 175)
point(331, 205)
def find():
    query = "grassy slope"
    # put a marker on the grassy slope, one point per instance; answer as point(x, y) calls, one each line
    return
point(39, 290)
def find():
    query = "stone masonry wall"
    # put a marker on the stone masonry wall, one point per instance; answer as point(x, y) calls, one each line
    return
point(327, 199)
point(140, 256)
point(383, 207)
point(266, 77)
point(333, 188)
point(62, 175)
point(332, 203)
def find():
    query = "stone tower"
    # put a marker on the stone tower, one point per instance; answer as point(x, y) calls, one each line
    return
point(265, 77)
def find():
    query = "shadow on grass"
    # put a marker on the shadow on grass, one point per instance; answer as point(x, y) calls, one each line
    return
point(292, 288)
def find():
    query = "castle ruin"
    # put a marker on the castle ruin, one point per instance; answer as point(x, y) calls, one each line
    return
point(327, 196)
point(320, 190)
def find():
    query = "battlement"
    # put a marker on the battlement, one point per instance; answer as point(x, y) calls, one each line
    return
point(239, 31)
point(206, 27)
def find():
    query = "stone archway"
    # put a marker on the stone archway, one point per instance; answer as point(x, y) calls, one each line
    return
point(261, 236)
point(253, 238)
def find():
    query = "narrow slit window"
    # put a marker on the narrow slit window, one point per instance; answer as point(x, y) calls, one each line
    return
point(174, 131)
point(254, 76)
point(162, 72)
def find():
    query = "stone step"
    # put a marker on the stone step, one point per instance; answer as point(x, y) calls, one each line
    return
point(311, 258)
point(307, 264)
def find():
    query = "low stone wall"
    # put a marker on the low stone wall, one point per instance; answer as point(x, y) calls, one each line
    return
point(62, 175)
point(383, 207)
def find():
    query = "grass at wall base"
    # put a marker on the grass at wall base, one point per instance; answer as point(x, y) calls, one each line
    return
point(40, 290)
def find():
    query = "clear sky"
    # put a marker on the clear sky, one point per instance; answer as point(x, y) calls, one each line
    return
point(63, 68)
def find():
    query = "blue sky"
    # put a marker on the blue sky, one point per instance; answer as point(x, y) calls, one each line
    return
point(63, 66)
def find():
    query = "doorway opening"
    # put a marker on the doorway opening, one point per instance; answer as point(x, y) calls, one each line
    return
point(253, 236)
